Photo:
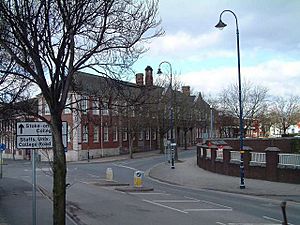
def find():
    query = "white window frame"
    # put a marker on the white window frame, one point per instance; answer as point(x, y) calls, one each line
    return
point(85, 134)
point(96, 134)
point(148, 134)
point(154, 135)
point(105, 108)
point(46, 109)
point(95, 106)
point(67, 109)
point(125, 134)
point(105, 134)
point(115, 133)
point(84, 104)
point(141, 135)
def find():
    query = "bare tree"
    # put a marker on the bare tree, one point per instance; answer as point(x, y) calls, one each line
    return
point(48, 41)
point(284, 112)
point(254, 99)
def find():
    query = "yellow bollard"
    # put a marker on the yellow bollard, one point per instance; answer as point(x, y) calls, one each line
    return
point(138, 179)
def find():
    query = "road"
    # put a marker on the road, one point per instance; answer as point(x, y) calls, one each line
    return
point(91, 203)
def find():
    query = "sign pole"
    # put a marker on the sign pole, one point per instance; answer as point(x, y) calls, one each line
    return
point(1, 162)
point(33, 187)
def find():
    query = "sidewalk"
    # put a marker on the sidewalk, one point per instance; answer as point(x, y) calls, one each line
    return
point(189, 174)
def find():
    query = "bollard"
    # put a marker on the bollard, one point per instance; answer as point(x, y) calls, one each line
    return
point(138, 179)
point(283, 208)
point(109, 174)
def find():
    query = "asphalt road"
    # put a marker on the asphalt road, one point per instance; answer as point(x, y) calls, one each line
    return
point(91, 203)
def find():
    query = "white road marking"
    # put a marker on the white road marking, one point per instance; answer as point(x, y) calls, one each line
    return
point(164, 206)
point(175, 201)
point(211, 203)
point(220, 223)
point(127, 167)
point(92, 175)
point(204, 210)
point(148, 193)
point(275, 220)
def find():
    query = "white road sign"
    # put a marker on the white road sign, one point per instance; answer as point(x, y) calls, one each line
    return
point(32, 135)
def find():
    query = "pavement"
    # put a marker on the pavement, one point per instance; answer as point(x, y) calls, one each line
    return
point(187, 173)
point(15, 194)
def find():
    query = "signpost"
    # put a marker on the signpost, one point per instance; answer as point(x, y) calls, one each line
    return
point(36, 135)
point(2, 148)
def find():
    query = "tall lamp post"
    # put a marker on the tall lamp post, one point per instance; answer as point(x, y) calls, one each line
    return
point(221, 25)
point(173, 143)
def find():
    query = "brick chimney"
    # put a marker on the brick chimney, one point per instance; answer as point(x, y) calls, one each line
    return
point(186, 90)
point(139, 79)
point(149, 76)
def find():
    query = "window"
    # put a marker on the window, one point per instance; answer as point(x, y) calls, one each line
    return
point(154, 135)
point(68, 105)
point(69, 134)
point(47, 109)
point(115, 133)
point(95, 106)
point(85, 135)
point(105, 134)
point(96, 134)
point(125, 134)
point(148, 134)
point(84, 104)
point(141, 135)
point(105, 109)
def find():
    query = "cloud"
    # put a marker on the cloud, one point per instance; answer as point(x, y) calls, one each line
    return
point(278, 76)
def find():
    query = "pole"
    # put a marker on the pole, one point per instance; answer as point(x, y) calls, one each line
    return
point(222, 25)
point(1, 162)
point(33, 187)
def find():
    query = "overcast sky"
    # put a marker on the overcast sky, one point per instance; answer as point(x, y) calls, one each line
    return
point(206, 59)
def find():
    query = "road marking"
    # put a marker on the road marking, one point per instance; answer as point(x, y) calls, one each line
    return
point(168, 207)
point(275, 220)
point(204, 210)
point(148, 193)
point(92, 175)
point(176, 201)
point(254, 224)
point(127, 167)
point(211, 203)
point(220, 223)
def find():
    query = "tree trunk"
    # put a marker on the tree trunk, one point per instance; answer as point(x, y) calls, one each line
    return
point(59, 173)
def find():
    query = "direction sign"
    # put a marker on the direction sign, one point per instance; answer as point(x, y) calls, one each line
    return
point(2, 147)
point(32, 135)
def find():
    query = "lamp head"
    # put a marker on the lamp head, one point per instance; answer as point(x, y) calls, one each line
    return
point(221, 25)
point(159, 71)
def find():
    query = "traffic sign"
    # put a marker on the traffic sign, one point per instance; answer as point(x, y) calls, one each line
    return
point(35, 135)
point(2, 147)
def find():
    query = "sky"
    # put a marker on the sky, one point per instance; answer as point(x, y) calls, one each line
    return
point(205, 58)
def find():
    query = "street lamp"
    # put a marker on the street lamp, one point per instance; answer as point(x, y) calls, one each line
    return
point(173, 143)
point(221, 25)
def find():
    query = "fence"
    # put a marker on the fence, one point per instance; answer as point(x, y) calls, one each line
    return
point(289, 160)
point(270, 165)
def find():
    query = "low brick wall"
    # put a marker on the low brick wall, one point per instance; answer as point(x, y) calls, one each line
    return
point(285, 144)
point(270, 170)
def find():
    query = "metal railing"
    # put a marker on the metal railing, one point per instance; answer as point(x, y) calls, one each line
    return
point(289, 159)
point(258, 157)
point(235, 156)
point(219, 154)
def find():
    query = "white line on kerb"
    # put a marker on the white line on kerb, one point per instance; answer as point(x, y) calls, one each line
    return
point(155, 203)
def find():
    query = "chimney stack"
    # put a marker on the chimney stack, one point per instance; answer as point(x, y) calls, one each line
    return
point(186, 90)
point(139, 79)
point(149, 76)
